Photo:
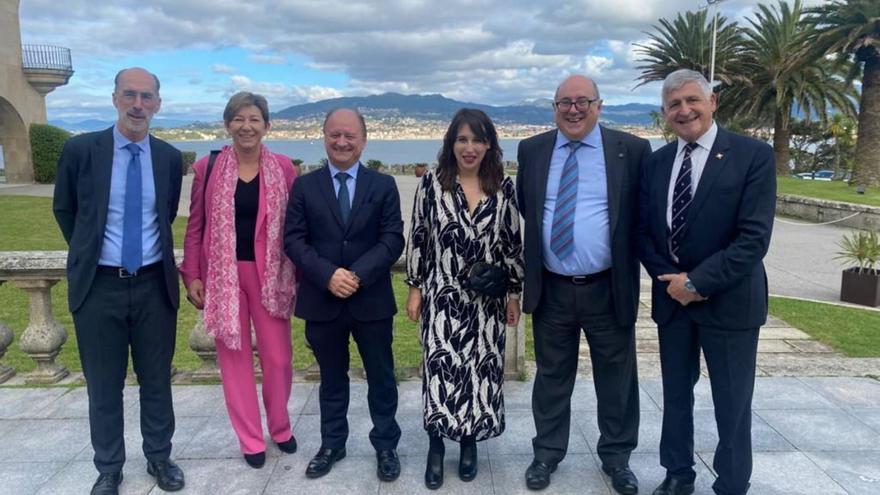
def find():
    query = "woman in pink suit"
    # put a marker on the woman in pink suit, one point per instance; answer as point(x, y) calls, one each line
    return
point(235, 269)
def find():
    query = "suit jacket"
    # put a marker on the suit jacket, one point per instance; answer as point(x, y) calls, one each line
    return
point(725, 237)
point(196, 253)
point(82, 196)
point(318, 242)
point(624, 155)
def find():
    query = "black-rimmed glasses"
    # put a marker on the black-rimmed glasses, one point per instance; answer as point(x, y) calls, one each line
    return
point(582, 104)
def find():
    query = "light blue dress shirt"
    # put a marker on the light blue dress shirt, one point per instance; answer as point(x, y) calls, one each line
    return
point(350, 183)
point(592, 235)
point(111, 250)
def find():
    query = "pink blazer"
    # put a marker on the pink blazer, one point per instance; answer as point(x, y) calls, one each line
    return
point(198, 227)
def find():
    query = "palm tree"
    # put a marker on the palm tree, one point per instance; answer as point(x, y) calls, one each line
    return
point(783, 75)
point(685, 43)
point(851, 30)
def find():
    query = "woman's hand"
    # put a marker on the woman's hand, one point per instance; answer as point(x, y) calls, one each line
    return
point(512, 312)
point(195, 294)
point(414, 303)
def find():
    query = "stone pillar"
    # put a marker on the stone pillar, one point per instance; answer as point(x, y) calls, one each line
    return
point(515, 351)
point(203, 345)
point(44, 336)
point(6, 336)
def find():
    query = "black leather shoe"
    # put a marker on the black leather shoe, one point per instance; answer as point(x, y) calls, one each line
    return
point(623, 480)
point(674, 486)
point(288, 447)
point(434, 470)
point(538, 475)
point(323, 461)
point(169, 476)
point(387, 465)
point(107, 484)
point(255, 461)
point(467, 461)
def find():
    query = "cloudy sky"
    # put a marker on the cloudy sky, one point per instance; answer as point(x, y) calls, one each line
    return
point(295, 51)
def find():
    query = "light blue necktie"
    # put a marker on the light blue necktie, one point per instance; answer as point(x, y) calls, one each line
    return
point(132, 217)
point(562, 231)
point(342, 196)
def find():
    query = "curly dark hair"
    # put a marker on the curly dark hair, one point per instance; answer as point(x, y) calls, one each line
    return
point(491, 169)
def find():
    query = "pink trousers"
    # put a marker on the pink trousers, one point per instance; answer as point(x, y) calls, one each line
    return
point(237, 368)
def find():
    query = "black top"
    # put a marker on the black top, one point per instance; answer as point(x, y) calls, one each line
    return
point(247, 199)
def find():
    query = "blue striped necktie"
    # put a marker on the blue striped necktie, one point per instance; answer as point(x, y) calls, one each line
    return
point(681, 198)
point(562, 231)
point(132, 216)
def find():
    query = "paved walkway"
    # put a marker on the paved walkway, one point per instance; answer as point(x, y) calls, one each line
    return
point(811, 436)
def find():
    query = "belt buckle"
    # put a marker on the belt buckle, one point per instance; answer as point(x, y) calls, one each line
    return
point(579, 279)
point(123, 273)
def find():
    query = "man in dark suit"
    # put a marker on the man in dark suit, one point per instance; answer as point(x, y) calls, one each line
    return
point(707, 206)
point(577, 188)
point(344, 232)
point(116, 194)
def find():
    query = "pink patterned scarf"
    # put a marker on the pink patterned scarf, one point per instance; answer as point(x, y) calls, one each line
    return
point(221, 286)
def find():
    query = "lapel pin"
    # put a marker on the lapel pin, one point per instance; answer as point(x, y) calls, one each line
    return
point(719, 156)
point(620, 155)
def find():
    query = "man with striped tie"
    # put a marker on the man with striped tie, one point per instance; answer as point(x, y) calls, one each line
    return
point(706, 212)
point(577, 188)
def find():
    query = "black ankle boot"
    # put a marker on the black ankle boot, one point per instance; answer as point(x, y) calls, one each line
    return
point(434, 469)
point(467, 462)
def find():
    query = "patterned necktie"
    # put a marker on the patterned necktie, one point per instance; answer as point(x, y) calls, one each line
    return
point(342, 196)
point(132, 217)
point(681, 197)
point(562, 231)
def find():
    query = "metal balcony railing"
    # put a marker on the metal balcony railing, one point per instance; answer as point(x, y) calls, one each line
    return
point(46, 57)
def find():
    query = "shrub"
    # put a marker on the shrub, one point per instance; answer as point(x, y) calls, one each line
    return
point(375, 164)
point(47, 141)
point(189, 157)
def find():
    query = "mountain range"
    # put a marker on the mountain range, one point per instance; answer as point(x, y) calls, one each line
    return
point(432, 107)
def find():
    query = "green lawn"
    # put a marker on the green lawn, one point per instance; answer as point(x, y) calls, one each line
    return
point(832, 190)
point(27, 224)
point(855, 332)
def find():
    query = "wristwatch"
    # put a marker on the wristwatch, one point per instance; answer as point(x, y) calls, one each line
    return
point(689, 286)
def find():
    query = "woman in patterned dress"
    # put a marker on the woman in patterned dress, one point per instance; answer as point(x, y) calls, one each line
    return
point(464, 212)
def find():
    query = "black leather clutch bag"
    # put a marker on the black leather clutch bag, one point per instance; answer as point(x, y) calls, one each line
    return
point(487, 279)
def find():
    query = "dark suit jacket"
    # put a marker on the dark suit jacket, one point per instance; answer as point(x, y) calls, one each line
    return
point(726, 232)
point(318, 242)
point(624, 155)
point(82, 196)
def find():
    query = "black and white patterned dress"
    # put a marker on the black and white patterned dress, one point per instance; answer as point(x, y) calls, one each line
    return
point(462, 332)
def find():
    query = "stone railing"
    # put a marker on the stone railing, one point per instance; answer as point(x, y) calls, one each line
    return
point(36, 272)
point(850, 215)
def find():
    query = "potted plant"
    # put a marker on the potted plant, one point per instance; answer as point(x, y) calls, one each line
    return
point(861, 281)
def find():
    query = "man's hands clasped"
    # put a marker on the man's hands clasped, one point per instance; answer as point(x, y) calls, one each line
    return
point(677, 290)
point(343, 283)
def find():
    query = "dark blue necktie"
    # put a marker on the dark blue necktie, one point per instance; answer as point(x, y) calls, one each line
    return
point(342, 196)
point(562, 231)
point(681, 197)
point(132, 218)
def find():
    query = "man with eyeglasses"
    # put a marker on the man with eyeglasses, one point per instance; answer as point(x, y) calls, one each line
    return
point(116, 194)
point(577, 188)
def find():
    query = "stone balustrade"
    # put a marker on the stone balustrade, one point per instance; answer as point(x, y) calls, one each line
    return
point(36, 272)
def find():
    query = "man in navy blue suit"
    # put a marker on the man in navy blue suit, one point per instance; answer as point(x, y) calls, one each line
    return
point(116, 195)
point(706, 213)
point(344, 232)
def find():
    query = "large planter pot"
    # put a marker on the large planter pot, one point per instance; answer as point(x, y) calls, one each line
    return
point(860, 287)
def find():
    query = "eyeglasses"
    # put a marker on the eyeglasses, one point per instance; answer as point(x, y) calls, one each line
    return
point(582, 104)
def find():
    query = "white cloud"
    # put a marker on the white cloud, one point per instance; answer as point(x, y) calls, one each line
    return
point(222, 69)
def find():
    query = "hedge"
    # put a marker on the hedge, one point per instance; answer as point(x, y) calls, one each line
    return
point(189, 157)
point(47, 141)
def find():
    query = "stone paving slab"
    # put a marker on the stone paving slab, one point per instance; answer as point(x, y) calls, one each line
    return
point(810, 436)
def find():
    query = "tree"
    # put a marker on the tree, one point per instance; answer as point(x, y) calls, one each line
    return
point(686, 43)
point(850, 29)
point(375, 164)
point(783, 75)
